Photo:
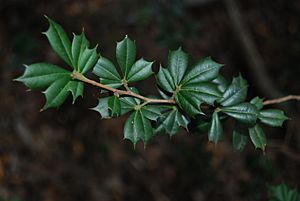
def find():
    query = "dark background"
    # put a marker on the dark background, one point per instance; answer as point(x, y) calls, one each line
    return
point(71, 154)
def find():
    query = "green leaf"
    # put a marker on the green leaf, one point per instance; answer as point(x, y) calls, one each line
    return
point(102, 108)
point(272, 117)
point(57, 92)
point(215, 133)
point(165, 80)
point(140, 70)
point(152, 112)
point(76, 89)
point(205, 70)
point(172, 121)
point(283, 193)
point(114, 105)
point(87, 60)
point(244, 112)
point(239, 140)
point(205, 91)
point(258, 137)
point(188, 102)
point(221, 82)
point(258, 102)
point(79, 44)
point(41, 75)
point(126, 53)
point(59, 41)
point(177, 64)
point(236, 92)
point(107, 72)
point(138, 127)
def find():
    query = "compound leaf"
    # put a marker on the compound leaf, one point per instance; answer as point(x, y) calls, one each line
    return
point(140, 70)
point(107, 72)
point(205, 70)
point(258, 137)
point(272, 117)
point(138, 127)
point(177, 64)
point(41, 75)
point(165, 80)
point(244, 112)
point(59, 41)
point(236, 92)
point(114, 105)
point(126, 53)
point(215, 133)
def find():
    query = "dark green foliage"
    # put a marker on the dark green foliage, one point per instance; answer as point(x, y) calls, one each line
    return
point(283, 193)
point(196, 93)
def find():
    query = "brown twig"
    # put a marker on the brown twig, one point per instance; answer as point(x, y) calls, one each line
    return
point(119, 92)
point(281, 100)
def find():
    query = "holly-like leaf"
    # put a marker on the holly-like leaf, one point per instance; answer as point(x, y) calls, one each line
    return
point(221, 82)
point(126, 53)
point(272, 117)
point(107, 72)
point(114, 105)
point(79, 45)
point(140, 70)
point(57, 92)
point(258, 137)
point(152, 112)
point(215, 133)
point(87, 60)
point(177, 64)
point(205, 91)
point(165, 80)
point(205, 70)
point(236, 92)
point(138, 127)
point(41, 75)
point(258, 102)
point(244, 112)
point(102, 108)
point(172, 121)
point(239, 140)
point(59, 41)
point(76, 89)
point(189, 102)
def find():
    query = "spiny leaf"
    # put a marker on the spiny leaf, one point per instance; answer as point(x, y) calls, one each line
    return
point(140, 70)
point(221, 82)
point(177, 64)
point(258, 137)
point(205, 70)
point(57, 92)
point(215, 133)
point(126, 53)
point(152, 112)
point(188, 102)
point(205, 91)
point(76, 88)
point(165, 80)
point(107, 72)
point(244, 112)
point(87, 60)
point(258, 102)
point(41, 75)
point(102, 108)
point(114, 105)
point(79, 45)
point(172, 121)
point(236, 92)
point(59, 41)
point(138, 127)
point(239, 140)
point(272, 117)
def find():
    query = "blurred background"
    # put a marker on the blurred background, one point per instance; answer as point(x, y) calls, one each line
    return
point(71, 154)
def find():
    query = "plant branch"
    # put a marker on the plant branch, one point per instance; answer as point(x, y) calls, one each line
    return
point(281, 100)
point(146, 100)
